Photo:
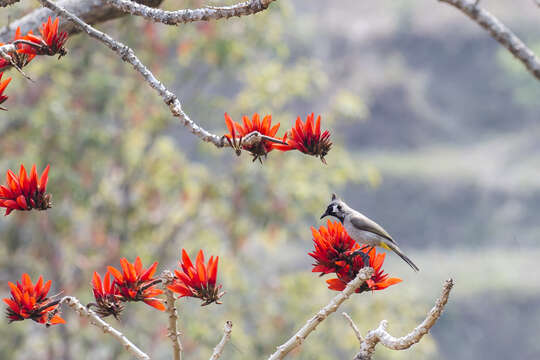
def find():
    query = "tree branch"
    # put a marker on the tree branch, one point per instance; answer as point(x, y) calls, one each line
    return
point(500, 33)
point(4, 3)
point(353, 326)
point(94, 319)
point(90, 11)
point(297, 339)
point(173, 333)
point(218, 350)
point(190, 15)
point(367, 346)
point(128, 55)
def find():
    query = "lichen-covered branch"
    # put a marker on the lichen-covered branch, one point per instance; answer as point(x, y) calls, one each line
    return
point(94, 319)
point(218, 350)
point(172, 101)
point(129, 56)
point(380, 335)
point(173, 333)
point(90, 11)
point(298, 338)
point(4, 3)
point(499, 32)
point(190, 15)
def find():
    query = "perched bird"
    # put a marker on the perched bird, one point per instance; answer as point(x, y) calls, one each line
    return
point(363, 230)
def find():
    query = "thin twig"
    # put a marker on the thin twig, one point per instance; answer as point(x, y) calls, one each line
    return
point(353, 326)
point(173, 333)
point(367, 346)
point(218, 350)
point(190, 15)
point(94, 319)
point(499, 32)
point(297, 339)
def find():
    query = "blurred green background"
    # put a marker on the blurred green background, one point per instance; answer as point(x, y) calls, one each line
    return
point(435, 129)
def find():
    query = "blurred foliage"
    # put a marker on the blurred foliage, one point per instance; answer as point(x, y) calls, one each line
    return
point(128, 180)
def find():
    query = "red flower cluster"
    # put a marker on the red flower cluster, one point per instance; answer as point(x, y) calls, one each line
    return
point(135, 283)
point(197, 281)
point(237, 132)
point(333, 254)
point(305, 137)
point(51, 42)
point(3, 85)
point(21, 57)
point(26, 47)
point(108, 297)
point(30, 301)
point(333, 247)
point(25, 193)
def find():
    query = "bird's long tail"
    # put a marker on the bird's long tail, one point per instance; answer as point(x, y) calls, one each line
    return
point(395, 248)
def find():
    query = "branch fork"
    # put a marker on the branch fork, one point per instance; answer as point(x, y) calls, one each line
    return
point(298, 338)
point(381, 335)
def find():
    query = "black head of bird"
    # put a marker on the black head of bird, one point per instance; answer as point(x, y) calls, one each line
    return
point(337, 208)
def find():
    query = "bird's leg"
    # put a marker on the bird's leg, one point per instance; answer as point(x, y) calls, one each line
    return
point(364, 255)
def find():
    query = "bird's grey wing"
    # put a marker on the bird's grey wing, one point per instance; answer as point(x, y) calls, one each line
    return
point(366, 224)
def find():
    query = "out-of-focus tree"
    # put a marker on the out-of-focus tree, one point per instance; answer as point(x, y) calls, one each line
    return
point(127, 180)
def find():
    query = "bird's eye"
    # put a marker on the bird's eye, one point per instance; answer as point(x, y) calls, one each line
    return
point(339, 207)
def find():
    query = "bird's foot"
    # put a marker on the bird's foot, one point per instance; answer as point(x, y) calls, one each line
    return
point(364, 255)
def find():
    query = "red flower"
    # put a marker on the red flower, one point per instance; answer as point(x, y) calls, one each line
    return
point(307, 138)
point(25, 53)
point(333, 247)
point(49, 43)
point(3, 62)
point(197, 281)
point(25, 193)
point(3, 85)
point(108, 297)
point(237, 132)
point(137, 283)
point(31, 302)
point(378, 281)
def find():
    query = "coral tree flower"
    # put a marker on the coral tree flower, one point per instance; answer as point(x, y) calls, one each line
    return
point(25, 193)
point(51, 42)
point(333, 247)
point(237, 132)
point(307, 138)
point(136, 283)
point(3, 62)
point(108, 297)
point(197, 280)
point(30, 301)
point(378, 281)
point(25, 53)
point(333, 253)
point(3, 85)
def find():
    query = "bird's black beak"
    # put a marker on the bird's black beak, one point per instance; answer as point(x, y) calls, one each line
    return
point(326, 213)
